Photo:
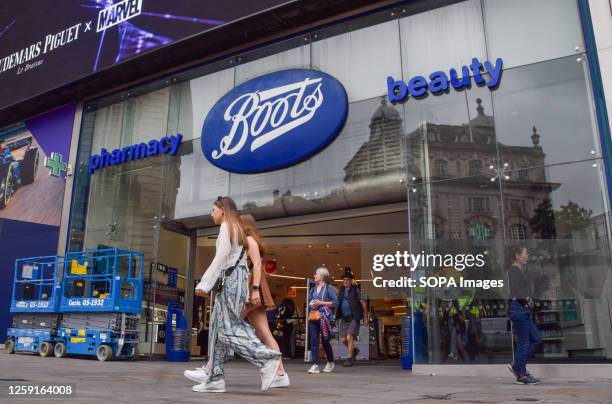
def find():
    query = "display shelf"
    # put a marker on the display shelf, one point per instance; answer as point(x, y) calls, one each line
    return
point(548, 317)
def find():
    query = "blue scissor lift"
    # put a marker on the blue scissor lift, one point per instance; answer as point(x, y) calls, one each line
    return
point(34, 304)
point(92, 308)
point(100, 303)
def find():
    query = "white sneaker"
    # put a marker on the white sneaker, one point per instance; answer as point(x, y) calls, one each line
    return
point(196, 375)
point(280, 381)
point(314, 369)
point(268, 373)
point(329, 367)
point(217, 386)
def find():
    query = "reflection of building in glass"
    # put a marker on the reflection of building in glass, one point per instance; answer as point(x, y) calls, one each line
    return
point(384, 154)
point(374, 175)
point(128, 198)
point(456, 172)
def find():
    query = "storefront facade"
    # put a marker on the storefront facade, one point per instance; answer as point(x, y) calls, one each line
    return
point(514, 149)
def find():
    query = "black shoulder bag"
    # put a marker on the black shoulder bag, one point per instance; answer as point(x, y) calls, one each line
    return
point(218, 287)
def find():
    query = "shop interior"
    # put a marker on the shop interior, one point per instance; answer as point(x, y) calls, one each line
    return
point(295, 248)
point(293, 252)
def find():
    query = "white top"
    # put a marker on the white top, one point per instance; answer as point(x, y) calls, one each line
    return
point(226, 254)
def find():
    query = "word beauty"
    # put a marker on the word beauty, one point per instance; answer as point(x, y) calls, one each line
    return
point(418, 86)
point(167, 145)
point(274, 121)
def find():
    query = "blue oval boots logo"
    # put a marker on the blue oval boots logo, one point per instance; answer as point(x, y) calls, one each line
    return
point(274, 121)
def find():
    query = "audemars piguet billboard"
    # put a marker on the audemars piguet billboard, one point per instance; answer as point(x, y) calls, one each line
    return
point(45, 43)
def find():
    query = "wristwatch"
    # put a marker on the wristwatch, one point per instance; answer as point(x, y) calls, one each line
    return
point(256, 287)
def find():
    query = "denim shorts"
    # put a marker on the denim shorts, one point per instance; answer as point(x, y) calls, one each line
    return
point(349, 326)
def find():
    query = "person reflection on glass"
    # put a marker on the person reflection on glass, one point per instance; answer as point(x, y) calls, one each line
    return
point(519, 310)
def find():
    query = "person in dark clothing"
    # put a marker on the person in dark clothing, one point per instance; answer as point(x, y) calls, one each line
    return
point(519, 310)
point(286, 313)
point(351, 309)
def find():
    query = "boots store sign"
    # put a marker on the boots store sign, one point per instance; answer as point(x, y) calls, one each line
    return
point(282, 118)
point(274, 121)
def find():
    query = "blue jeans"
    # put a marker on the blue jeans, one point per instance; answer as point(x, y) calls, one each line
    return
point(314, 331)
point(527, 335)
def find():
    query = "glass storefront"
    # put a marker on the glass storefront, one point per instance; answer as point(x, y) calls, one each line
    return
point(477, 169)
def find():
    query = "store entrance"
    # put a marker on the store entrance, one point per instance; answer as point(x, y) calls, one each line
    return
point(294, 250)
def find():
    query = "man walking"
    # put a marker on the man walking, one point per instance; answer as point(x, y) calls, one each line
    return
point(351, 309)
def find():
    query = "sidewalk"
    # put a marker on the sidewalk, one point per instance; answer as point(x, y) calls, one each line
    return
point(162, 382)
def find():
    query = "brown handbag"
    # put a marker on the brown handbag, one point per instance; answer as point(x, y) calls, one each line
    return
point(315, 315)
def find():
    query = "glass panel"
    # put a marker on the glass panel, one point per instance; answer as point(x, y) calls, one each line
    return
point(124, 213)
point(526, 31)
point(362, 167)
point(204, 92)
point(356, 57)
point(292, 58)
point(180, 114)
point(107, 125)
point(451, 136)
point(145, 117)
point(543, 115)
point(441, 39)
point(365, 165)
point(600, 12)
point(464, 323)
point(458, 209)
point(123, 202)
point(562, 214)
point(196, 183)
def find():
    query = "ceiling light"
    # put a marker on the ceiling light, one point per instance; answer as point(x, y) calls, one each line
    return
point(287, 277)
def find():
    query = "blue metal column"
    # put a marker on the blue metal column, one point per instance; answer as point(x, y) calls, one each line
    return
point(600, 103)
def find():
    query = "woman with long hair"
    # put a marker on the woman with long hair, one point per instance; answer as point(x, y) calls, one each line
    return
point(227, 328)
point(519, 310)
point(257, 304)
point(261, 299)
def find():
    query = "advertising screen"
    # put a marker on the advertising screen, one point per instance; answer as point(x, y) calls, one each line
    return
point(45, 44)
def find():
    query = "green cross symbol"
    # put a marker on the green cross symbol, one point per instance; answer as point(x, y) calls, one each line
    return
point(56, 165)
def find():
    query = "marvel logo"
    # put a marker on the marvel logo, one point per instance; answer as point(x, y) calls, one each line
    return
point(118, 13)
